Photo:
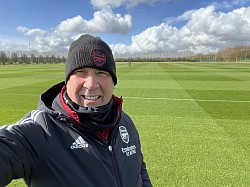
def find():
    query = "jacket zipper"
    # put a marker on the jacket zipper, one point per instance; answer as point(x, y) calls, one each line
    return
point(110, 148)
point(111, 151)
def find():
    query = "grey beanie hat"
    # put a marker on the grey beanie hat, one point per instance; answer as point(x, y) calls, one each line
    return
point(90, 52)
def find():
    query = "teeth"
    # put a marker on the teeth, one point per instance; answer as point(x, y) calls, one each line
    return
point(91, 97)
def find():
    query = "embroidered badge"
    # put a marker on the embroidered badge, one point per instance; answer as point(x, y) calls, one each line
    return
point(124, 134)
point(99, 58)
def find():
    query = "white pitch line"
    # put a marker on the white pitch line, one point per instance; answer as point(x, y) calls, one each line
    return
point(165, 98)
point(176, 99)
point(22, 94)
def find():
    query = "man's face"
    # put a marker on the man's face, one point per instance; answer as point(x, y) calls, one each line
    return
point(90, 87)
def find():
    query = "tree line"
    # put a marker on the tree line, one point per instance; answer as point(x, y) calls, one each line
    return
point(234, 54)
point(15, 58)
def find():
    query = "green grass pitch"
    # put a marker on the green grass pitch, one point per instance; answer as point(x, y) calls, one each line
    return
point(193, 118)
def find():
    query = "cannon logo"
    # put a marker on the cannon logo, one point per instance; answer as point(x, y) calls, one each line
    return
point(124, 134)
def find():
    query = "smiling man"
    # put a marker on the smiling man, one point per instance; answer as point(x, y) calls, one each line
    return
point(90, 87)
point(79, 136)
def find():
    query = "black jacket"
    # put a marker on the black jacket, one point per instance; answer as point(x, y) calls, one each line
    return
point(48, 149)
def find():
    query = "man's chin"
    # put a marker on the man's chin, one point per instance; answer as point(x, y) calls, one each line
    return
point(93, 104)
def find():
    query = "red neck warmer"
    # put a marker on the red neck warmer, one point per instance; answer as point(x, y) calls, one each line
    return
point(102, 134)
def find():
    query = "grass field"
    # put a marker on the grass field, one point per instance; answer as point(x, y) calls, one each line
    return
point(193, 118)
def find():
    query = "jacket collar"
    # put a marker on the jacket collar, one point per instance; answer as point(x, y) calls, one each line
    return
point(52, 101)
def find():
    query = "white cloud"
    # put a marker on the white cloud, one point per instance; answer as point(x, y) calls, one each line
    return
point(103, 21)
point(229, 26)
point(103, 4)
point(184, 17)
point(228, 4)
point(72, 25)
point(13, 46)
point(206, 31)
point(134, 3)
point(9, 43)
point(156, 38)
point(31, 32)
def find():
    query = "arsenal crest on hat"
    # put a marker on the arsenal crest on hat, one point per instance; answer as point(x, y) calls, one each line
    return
point(99, 58)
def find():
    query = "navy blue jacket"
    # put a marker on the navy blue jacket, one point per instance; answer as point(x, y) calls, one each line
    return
point(47, 148)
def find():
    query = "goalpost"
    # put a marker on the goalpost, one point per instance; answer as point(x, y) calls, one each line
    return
point(243, 55)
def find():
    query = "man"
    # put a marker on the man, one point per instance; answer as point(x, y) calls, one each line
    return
point(79, 136)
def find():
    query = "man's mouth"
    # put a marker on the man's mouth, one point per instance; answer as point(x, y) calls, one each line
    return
point(92, 98)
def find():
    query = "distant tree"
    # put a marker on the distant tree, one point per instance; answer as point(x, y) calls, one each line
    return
point(63, 59)
point(32, 58)
point(24, 59)
point(3, 57)
point(40, 59)
point(47, 59)
point(14, 57)
point(58, 60)
point(52, 59)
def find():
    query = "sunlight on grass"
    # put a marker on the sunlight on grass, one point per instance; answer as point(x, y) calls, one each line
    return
point(193, 131)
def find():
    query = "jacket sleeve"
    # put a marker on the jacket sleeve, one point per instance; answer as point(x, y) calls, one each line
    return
point(145, 177)
point(20, 146)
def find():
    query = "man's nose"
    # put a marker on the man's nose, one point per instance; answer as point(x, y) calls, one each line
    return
point(90, 82)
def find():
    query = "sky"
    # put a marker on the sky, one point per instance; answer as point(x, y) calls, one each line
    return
point(128, 26)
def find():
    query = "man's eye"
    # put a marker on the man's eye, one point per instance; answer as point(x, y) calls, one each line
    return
point(79, 71)
point(102, 73)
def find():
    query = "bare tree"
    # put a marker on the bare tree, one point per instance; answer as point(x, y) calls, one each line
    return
point(24, 59)
point(32, 58)
point(14, 57)
point(3, 57)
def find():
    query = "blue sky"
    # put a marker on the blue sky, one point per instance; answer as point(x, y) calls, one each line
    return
point(128, 26)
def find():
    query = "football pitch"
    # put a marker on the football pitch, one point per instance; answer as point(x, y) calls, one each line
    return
point(193, 118)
